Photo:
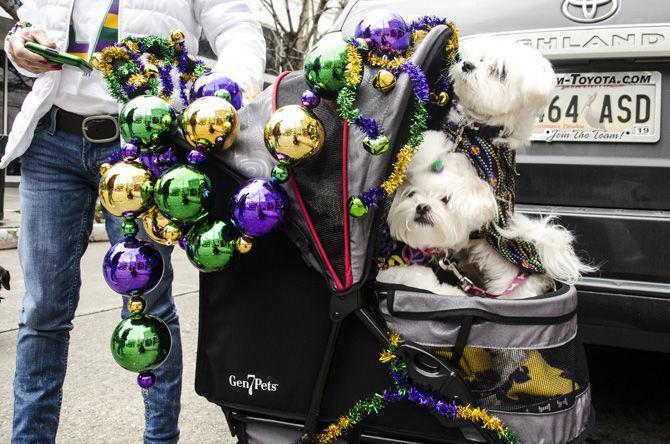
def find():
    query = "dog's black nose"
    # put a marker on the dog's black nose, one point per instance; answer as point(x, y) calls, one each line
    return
point(422, 209)
point(468, 66)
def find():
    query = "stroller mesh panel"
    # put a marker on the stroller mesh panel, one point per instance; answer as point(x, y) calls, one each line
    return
point(517, 380)
point(320, 184)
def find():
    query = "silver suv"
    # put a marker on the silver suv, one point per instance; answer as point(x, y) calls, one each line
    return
point(597, 159)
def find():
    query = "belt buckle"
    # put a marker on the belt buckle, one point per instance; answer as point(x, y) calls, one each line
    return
point(84, 128)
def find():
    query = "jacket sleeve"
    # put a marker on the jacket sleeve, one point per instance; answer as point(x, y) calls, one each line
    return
point(237, 38)
point(29, 12)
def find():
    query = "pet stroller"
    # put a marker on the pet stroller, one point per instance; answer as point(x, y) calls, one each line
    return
point(289, 338)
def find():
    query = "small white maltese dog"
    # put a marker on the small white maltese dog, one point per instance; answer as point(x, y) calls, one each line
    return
point(450, 204)
point(502, 84)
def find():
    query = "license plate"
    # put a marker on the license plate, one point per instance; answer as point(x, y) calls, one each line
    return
point(603, 107)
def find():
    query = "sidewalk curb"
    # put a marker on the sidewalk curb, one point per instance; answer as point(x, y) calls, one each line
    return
point(9, 237)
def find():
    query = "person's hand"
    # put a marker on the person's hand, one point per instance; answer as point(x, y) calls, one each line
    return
point(26, 59)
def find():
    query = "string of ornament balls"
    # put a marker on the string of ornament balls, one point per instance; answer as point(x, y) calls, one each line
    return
point(144, 181)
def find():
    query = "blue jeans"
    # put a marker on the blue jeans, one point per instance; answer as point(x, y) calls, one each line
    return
point(59, 186)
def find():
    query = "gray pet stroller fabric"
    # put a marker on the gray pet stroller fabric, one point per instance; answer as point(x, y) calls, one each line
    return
point(409, 304)
point(250, 158)
point(521, 359)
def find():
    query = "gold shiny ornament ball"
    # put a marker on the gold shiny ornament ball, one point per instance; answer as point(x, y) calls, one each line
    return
point(243, 244)
point(126, 189)
point(136, 304)
point(384, 81)
point(160, 228)
point(177, 36)
point(293, 134)
point(210, 122)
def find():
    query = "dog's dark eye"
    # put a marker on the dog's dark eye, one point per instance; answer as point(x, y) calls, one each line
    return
point(445, 200)
point(411, 194)
point(482, 59)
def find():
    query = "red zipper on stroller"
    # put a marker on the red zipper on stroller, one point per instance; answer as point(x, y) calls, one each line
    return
point(348, 278)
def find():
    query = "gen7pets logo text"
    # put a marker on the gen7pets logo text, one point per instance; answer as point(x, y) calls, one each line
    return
point(252, 383)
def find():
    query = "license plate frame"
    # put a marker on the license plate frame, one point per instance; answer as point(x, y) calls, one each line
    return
point(632, 113)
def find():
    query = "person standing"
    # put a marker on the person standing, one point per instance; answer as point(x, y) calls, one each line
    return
point(63, 133)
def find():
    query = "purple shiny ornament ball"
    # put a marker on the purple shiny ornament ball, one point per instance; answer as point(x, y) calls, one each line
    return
point(309, 99)
point(208, 84)
point(146, 380)
point(159, 161)
point(196, 157)
point(183, 242)
point(132, 267)
point(130, 152)
point(384, 31)
point(258, 207)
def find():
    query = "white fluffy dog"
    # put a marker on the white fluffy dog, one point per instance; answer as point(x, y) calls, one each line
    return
point(445, 203)
point(502, 84)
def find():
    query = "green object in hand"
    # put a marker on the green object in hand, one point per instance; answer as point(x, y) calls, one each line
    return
point(53, 55)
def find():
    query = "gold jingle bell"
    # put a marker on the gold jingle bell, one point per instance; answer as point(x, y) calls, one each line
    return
point(440, 99)
point(384, 81)
point(243, 244)
point(126, 189)
point(293, 134)
point(210, 124)
point(160, 228)
point(177, 36)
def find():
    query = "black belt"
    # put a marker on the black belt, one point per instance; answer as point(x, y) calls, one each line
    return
point(95, 129)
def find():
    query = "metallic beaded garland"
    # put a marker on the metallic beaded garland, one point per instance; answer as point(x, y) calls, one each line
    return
point(401, 389)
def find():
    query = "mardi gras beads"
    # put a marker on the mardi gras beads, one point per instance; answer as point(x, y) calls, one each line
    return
point(325, 66)
point(210, 124)
point(211, 246)
point(293, 134)
point(258, 207)
point(147, 120)
point(385, 32)
point(125, 189)
point(212, 84)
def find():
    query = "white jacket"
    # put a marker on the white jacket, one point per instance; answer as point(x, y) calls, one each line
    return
point(234, 33)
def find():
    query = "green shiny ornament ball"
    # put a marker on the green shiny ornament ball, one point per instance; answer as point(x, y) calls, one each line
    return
point(376, 146)
point(325, 66)
point(129, 227)
point(183, 193)
point(148, 120)
point(141, 343)
point(280, 173)
point(223, 94)
point(211, 246)
point(356, 207)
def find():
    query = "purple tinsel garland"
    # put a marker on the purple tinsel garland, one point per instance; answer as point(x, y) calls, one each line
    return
point(165, 73)
point(419, 82)
point(370, 127)
point(426, 23)
point(372, 196)
point(115, 157)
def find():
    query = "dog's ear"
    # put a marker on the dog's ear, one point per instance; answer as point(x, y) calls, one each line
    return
point(538, 84)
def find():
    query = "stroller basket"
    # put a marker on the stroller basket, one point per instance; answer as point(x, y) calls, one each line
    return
point(520, 359)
